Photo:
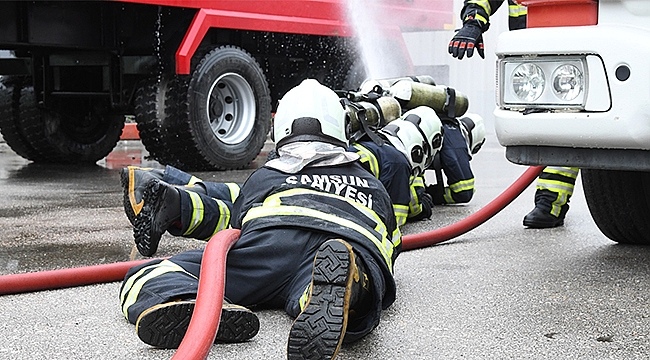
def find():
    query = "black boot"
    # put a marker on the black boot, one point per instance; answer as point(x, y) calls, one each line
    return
point(337, 283)
point(162, 208)
point(540, 219)
point(164, 325)
point(134, 180)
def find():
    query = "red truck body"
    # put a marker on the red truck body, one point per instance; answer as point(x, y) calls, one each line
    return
point(201, 77)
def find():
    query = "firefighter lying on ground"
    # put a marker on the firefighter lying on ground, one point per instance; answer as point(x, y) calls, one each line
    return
point(205, 205)
point(312, 207)
point(200, 209)
point(555, 184)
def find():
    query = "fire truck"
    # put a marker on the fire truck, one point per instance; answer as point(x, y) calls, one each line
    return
point(202, 78)
point(573, 89)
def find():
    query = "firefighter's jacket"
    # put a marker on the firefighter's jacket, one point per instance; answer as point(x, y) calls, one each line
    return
point(392, 168)
point(482, 10)
point(345, 201)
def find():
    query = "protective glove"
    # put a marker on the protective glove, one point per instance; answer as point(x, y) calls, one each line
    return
point(437, 194)
point(469, 37)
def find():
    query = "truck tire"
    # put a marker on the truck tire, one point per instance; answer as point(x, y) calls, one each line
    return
point(65, 136)
point(151, 116)
point(9, 118)
point(221, 117)
point(619, 203)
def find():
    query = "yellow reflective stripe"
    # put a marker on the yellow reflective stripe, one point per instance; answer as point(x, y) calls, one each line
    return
point(234, 191)
point(570, 172)
point(384, 245)
point(194, 180)
point(557, 186)
point(485, 4)
point(198, 212)
point(481, 18)
point(417, 181)
point(224, 217)
point(396, 237)
point(562, 189)
point(462, 185)
point(275, 200)
point(366, 156)
point(415, 207)
point(556, 206)
point(517, 10)
point(447, 196)
point(401, 213)
point(135, 282)
point(304, 298)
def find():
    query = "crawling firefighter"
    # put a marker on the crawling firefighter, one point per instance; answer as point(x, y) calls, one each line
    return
point(399, 153)
point(312, 207)
point(396, 155)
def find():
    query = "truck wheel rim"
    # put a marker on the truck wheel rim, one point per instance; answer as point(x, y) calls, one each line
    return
point(231, 108)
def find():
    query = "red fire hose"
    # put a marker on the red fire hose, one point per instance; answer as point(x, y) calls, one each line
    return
point(416, 241)
point(63, 278)
point(204, 324)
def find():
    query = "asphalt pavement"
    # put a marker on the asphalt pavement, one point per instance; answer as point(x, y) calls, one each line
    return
point(499, 291)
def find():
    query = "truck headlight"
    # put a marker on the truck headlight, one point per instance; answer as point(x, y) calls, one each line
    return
point(567, 82)
point(542, 82)
point(528, 82)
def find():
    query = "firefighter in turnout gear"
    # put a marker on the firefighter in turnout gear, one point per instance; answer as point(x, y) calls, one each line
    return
point(417, 137)
point(553, 191)
point(555, 184)
point(463, 138)
point(315, 206)
point(205, 206)
point(476, 20)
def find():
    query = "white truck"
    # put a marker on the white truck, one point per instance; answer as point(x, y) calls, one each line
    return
point(573, 89)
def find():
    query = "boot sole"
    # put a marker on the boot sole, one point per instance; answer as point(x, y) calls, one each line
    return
point(317, 333)
point(164, 326)
point(145, 234)
point(542, 225)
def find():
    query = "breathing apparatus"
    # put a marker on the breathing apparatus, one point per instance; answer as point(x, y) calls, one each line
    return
point(442, 99)
point(370, 84)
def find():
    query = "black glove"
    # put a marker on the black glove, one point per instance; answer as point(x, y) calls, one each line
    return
point(469, 37)
point(437, 194)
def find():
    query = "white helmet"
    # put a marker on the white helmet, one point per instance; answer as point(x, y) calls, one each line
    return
point(310, 112)
point(473, 128)
point(418, 135)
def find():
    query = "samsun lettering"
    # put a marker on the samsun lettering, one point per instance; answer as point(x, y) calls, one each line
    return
point(342, 185)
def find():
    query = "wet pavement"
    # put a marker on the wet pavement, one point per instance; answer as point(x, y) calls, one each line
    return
point(497, 292)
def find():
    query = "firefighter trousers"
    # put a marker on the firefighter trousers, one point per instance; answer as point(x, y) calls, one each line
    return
point(269, 268)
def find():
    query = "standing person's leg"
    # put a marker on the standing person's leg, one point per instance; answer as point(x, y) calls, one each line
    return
point(554, 189)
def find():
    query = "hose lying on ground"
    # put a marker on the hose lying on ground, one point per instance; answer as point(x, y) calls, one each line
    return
point(64, 278)
point(416, 241)
point(204, 324)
